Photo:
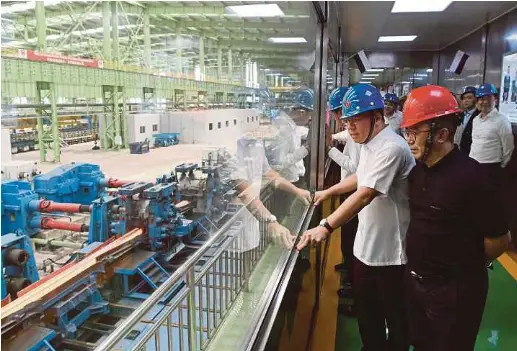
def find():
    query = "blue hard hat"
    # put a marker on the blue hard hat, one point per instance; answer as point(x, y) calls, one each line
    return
point(389, 97)
point(468, 89)
point(305, 98)
point(336, 98)
point(361, 98)
point(486, 89)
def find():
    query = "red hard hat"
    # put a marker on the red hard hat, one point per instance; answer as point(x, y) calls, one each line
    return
point(426, 103)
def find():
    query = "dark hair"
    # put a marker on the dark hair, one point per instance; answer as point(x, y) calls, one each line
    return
point(449, 122)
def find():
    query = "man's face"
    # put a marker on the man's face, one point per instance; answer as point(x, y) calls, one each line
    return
point(486, 104)
point(389, 108)
point(416, 137)
point(468, 101)
point(359, 126)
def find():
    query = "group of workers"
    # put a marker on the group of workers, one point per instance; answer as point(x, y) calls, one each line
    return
point(425, 212)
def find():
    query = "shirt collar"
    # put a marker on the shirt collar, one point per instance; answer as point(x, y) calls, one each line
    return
point(444, 161)
point(376, 141)
point(491, 114)
point(471, 111)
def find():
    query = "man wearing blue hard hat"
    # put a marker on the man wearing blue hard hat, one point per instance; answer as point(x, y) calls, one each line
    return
point(379, 197)
point(392, 115)
point(463, 136)
point(492, 138)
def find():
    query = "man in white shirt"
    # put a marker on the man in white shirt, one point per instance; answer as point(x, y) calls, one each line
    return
point(492, 138)
point(392, 115)
point(380, 198)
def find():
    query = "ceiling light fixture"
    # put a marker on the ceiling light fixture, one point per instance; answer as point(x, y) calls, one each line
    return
point(258, 10)
point(370, 75)
point(404, 82)
point(395, 38)
point(512, 37)
point(420, 6)
point(375, 70)
point(287, 40)
point(429, 70)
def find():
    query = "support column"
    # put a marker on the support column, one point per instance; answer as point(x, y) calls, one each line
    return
point(106, 26)
point(41, 26)
point(147, 39)
point(230, 66)
point(219, 63)
point(114, 30)
point(55, 124)
point(179, 52)
point(202, 57)
point(242, 69)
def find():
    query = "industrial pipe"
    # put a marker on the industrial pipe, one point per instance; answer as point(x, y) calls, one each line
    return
point(117, 183)
point(50, 223)
point(51, 206)
point(16, 257)
point(57, 243)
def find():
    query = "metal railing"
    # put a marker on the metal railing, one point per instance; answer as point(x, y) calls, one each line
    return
point(212, 279)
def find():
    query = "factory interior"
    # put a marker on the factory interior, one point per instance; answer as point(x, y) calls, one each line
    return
point(161, 161)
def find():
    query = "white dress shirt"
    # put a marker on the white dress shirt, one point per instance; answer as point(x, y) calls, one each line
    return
point(384, 165)
point(351, 152)
point(492, 139)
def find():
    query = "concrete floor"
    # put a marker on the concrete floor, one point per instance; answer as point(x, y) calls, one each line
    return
point(121, 164)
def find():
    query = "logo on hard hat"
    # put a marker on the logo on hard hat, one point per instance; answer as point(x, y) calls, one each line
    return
point(347, 103)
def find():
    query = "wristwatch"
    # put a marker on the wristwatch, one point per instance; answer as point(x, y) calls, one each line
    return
point(271, 219)
point(325, 224)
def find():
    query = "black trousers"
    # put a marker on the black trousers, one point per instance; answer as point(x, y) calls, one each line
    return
point(348, 231)
point(445, 314)
point(379, 301)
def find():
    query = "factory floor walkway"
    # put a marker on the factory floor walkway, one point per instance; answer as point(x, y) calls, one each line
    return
point(498, 330)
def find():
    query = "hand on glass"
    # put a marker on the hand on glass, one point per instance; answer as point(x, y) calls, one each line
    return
point(312, 236)
point(320, 196)
point(305, 195)
point(281, 235)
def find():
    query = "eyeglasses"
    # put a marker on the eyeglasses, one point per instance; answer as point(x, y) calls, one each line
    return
point(411, 133)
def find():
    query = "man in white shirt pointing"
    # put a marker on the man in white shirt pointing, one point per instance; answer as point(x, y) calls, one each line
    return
point(380, 198)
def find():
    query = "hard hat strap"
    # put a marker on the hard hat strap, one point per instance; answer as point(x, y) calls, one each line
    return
point(372, 127)
point(429, 141)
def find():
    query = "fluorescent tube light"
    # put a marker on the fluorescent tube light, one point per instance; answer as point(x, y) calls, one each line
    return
point(370, 75)
point(512, 37)
point(375, 70)
point(258, 10)
point(405, 82)
point(393, 38)
point(429, 70)
point(287, 40)
point(420, 6)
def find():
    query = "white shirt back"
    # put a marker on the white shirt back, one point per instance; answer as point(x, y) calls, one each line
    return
point(492, 139)
point(384, 165)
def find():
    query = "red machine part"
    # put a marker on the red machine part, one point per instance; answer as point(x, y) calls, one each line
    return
point(117, 183)
point(50, 223)
point(51, 206)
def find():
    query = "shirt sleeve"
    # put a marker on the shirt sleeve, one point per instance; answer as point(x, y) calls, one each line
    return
point(341, 136)
point(381, 171)
point(505, 133)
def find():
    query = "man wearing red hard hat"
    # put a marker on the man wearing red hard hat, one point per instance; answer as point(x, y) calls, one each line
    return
point(455, 227)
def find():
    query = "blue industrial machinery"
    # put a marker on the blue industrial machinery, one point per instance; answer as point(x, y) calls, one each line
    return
point(107, 218)
point(166, 139)
point(17, 215)
point(165, 223)
point(18, 265)
point(75, 182)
